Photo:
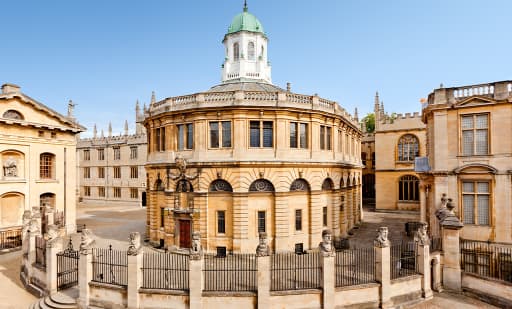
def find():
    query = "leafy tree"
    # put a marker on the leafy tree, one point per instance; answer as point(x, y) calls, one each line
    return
point(369, 122)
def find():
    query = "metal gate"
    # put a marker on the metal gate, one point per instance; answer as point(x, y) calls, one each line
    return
point(67, 267)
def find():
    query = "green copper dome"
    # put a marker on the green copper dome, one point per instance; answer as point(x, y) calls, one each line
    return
point(245, 21)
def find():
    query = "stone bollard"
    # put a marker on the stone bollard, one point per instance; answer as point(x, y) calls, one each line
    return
point(53, 246)
point(422, 242)
point(135, 256)
point(263, 266)
point(33, 232)
point(328, 269)
point(85, 269)
point(382, 266)
point(196, 272)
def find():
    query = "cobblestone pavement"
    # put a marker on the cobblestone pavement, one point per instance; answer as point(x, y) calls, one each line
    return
point(12, 293)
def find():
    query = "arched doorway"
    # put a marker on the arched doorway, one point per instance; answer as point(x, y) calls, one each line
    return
point(143, 199)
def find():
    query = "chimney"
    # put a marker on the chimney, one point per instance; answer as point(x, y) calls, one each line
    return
point(10, 88)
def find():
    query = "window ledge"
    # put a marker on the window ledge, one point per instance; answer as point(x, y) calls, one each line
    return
point(474, 155)
point(47, 181)
point(13, 180)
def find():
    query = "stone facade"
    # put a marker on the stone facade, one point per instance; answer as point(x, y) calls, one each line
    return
point(37, 155)
point(399, 139)
point(469, 154)
point(258, 159)
point(111, 168)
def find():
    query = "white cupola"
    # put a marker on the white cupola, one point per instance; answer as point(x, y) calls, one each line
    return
point(246, 50)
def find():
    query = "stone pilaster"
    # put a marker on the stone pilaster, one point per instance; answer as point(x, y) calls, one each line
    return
point(31, 251)
point(383, 274)
point(343, 214)
point(315, 218)
point(451, 268)
point(263, 282)
point(84, 277)
point(423, 203)
point(328, 281)
point(335, 211)
point(134, 279)
point(240, 222)
point(282, 224)
point(423, 261)
point(52, 248)
point(195, 282)
point(349, 209)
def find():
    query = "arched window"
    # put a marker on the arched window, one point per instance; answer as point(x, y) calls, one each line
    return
point(220, 185)
point(47, 166)
point(408, 148)
point(299, 185)
point(251, 52)
point(47, 200)
point(342, 182)
point(328, 184)
point(11, 208)
point(13, 114)
point(159, 185)
point(236, 52)
point(262, 55)
point(184, 186)
point(409, 189)
point(261, 185)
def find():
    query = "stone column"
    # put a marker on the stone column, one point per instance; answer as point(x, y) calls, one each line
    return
point(240, 221)
point(343, 214)
point(328, 280)
point(382, 266)
point(195, 282)
point(85, 269)
point(53, 246)
point(423, 260)
point(335, 212)
point(33, 232)
point(423, 201)
point(134, 271)
point(263, 281)
point(315, 218)
point(282, 224)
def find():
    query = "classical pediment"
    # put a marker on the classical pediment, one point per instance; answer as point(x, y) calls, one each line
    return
point(475, 101)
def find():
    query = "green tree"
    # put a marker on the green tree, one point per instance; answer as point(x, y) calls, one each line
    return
point(369, 122)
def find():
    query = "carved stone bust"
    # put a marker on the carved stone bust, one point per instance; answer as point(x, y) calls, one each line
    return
point(382, 240)
point(326, 246)
point(421, 235)
point(196, 251)
point(52, 235)
point(86, 241)
point(262, 249)
point(33, 226)
point(135, 247)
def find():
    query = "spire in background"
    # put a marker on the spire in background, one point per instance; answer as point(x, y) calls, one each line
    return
point(153, 98)
point(126, 127)
point(102, 134)
point(356, 115)
point(94, 131)
point(245, 6)
point(110, 129)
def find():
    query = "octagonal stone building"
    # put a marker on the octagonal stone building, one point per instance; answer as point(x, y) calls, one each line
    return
point(247, 156)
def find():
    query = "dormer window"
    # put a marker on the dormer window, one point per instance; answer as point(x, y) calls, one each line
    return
point(236, 52)
point(13, 114)
point(251, 53)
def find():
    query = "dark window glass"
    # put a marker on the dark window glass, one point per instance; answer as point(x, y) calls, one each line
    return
point(303, 135)
point(293, 134)
point(261, 222)
point(268, 135)
point(298, 219)
point(214, 134)
point(255, 133)
point(190, 136)
point(226, 134)
point(221, 222)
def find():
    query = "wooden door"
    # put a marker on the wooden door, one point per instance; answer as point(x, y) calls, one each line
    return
point(184, 234)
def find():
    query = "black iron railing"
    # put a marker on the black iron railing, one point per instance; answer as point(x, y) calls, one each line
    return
point(40, 252)
point(237, 272)
point(165, 271)
point(354, 267)
point(110, 266)
point(290, 271)
point(10, 239)
point(486, 259)
point(67, 267)
point(403, 259)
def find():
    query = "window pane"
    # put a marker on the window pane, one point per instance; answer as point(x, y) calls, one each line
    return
point(481, 122)
point(181, 137)
point(221, 223)
point(467, 122)
point(261, 221)
point(468, 206)
point(226, 134)
point(190, 136)
point(467, 142)
point(255, 134)
point(401, 152)
point(467, 187)
point(268, 136)
point(214, 134)
point(328, 138)
point(250, 51)
point(483, 209)
point(322, 137)
point(298, 219)
point(483, 187)
point(303, 135)
point(293, 135)
point(481, 142)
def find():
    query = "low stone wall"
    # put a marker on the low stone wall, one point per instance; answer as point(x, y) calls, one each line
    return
point(107, 295)
point(362, 296)
point(491, 291)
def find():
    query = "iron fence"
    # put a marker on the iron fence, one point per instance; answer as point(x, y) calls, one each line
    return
point(354, 267)
point(237, 272)
point(10, 239)
point(165, 271)
point(290, 271)
point(403, 259)
point(436, 244)
point(67, 267)
point(486, 259)
point(110, 266)
point(41, 252)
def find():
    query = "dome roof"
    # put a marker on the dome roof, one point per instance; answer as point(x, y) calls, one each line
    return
point(245, 21)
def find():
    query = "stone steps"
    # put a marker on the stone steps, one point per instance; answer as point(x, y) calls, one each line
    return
point(55, 301)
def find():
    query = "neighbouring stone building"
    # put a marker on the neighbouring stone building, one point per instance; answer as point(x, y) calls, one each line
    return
point(111, 168)
point(368, 160)
point(247, 156)
point(399, 139)
point(38, 159)
point(469, 150)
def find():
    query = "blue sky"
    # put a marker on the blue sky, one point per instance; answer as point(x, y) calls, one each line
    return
point(107, 54)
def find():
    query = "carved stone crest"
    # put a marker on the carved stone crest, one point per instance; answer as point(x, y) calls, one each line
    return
point(382, 240)
point(196, 252)
point(52, 236)
point(33, 226)
point(262, 249)
point(325, 245)
point(181, 165)
point(135, 247)
point(421, 236)
point(86, 241)
point(11, 167)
